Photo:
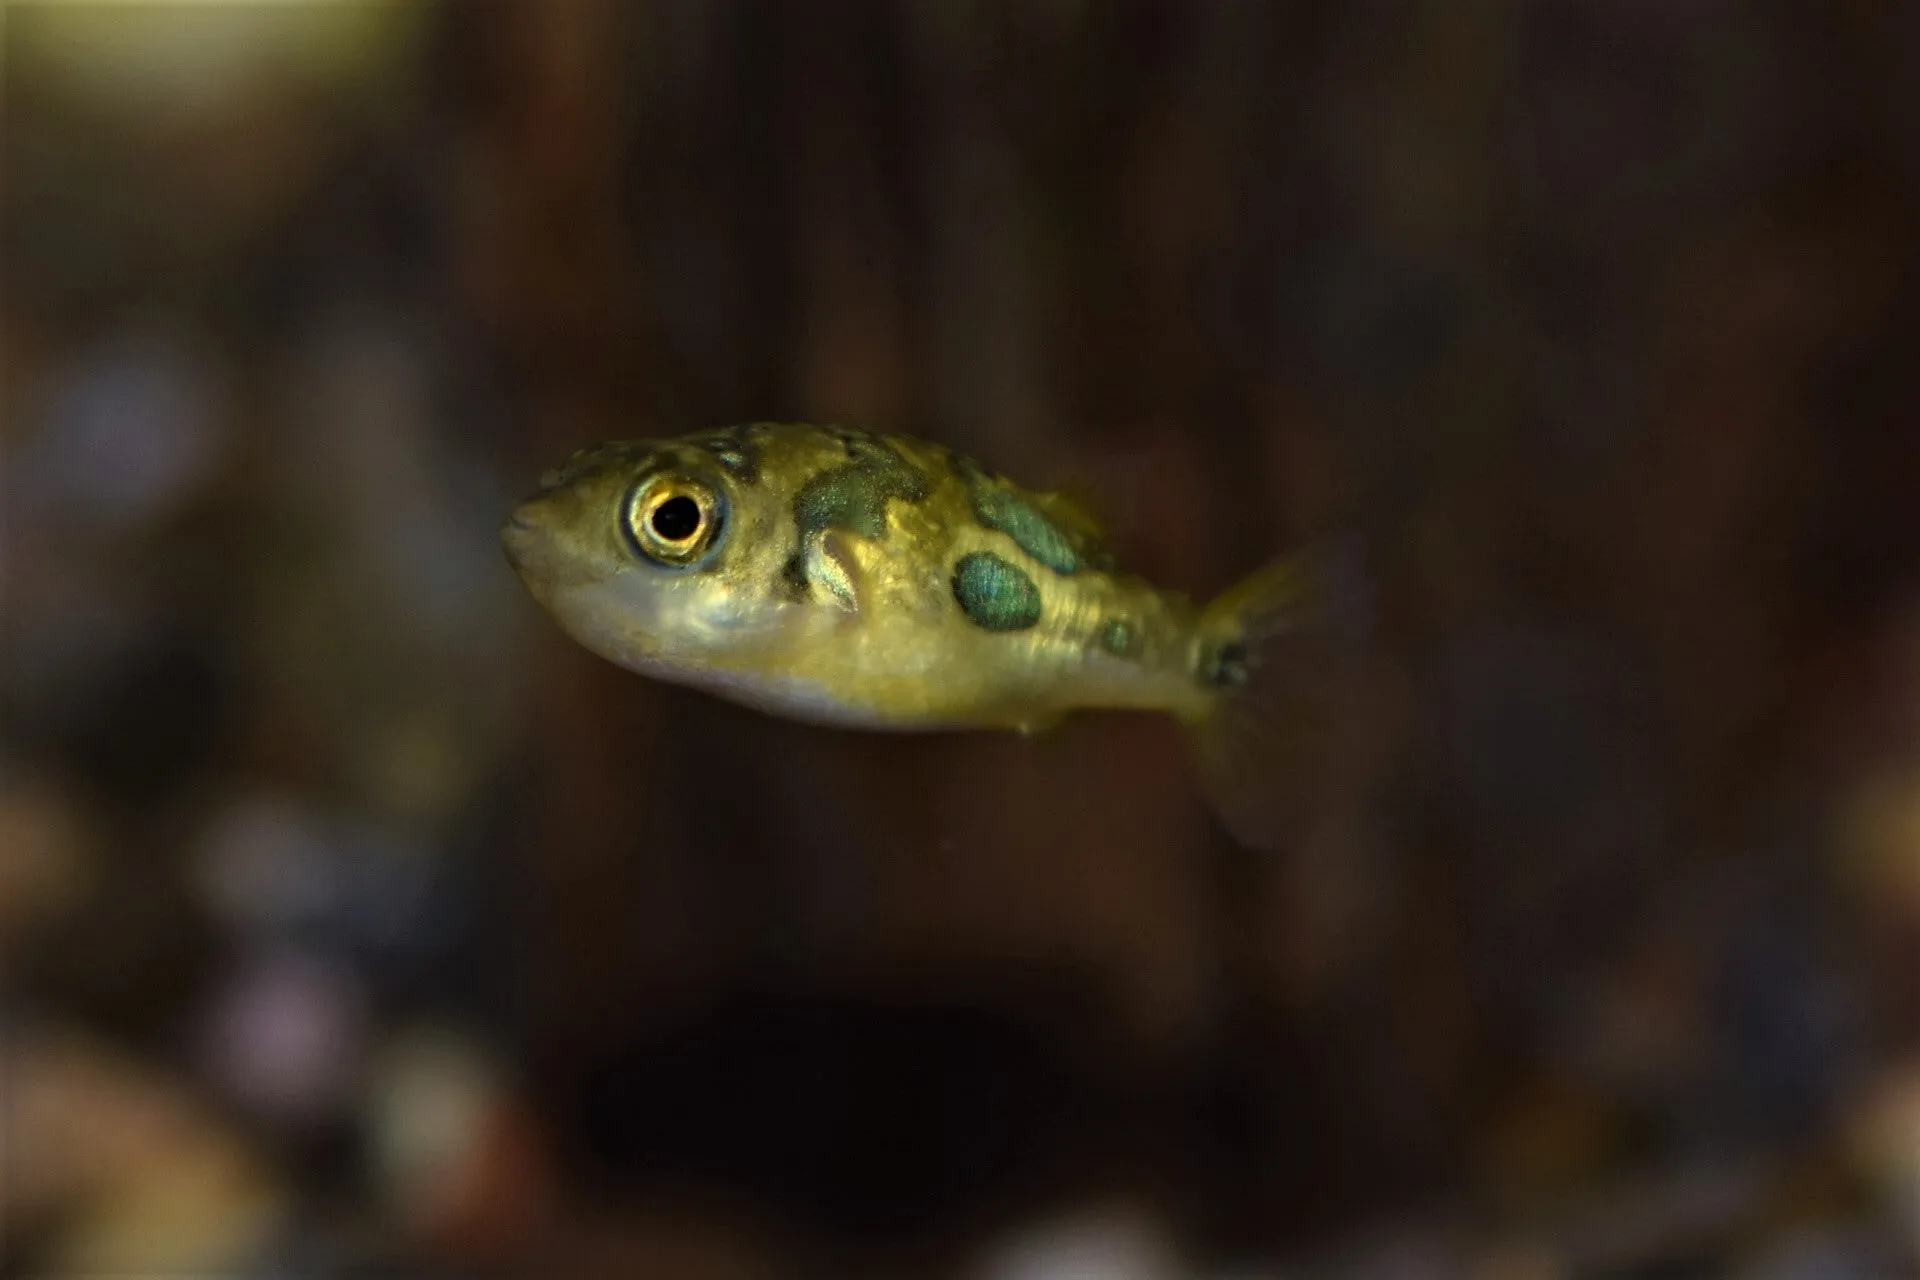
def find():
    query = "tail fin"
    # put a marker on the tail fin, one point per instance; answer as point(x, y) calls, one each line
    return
point(1284, 651)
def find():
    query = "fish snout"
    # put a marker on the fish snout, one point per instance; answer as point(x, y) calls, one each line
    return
point(522, 534)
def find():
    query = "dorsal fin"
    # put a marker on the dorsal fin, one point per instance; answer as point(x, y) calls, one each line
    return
point(1077, 522)
point(1071, 514)
point(1055, 528)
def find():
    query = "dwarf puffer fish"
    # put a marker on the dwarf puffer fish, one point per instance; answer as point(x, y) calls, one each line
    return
point(882, 582)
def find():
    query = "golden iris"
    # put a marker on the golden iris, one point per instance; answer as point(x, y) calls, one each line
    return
point(674, 519)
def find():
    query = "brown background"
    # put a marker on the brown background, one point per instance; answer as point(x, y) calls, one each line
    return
point(350, 916)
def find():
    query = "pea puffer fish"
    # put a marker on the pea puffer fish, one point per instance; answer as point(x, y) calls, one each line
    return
point(882, 582)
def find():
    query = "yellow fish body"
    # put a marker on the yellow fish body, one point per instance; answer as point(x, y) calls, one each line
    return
point(831, 575)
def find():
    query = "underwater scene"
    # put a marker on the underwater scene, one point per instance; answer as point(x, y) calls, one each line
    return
point(960, 640)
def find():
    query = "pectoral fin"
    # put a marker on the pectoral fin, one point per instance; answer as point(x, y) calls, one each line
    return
point(834, 571)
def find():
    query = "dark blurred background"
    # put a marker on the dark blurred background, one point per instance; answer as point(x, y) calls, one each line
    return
point(353, 920)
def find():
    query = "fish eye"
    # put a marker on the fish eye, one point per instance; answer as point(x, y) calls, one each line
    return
point(676, 519)
point(673, 519)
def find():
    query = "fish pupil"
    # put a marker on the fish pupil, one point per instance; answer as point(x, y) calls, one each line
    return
point(676, 519)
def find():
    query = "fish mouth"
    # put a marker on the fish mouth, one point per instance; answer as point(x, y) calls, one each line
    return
point(518, 534)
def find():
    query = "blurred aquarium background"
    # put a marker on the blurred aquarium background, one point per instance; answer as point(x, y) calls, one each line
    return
point(353, 921)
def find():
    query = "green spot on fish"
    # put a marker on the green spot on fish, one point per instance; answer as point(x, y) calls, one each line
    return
point(854, 496)
point(994, 593)
point(1116, 637)
point(1225, 666)
point(1031, 531)
point(735, 448)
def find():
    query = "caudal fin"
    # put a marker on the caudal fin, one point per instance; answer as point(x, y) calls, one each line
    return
point(1283, 651)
